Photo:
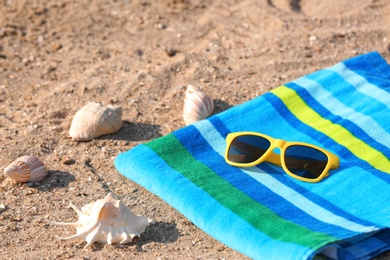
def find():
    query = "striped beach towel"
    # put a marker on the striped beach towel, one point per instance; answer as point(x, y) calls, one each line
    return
point(261, 211)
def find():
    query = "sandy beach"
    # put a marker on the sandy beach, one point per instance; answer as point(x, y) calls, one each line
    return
point(56, 56)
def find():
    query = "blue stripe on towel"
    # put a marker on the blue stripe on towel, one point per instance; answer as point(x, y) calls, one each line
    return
point(372, 67)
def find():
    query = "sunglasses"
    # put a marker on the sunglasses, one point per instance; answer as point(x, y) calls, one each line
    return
point(301, 161)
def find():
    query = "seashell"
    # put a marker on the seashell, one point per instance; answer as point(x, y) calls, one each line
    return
point(106, 221)
point(197, 105)
point(94, 120)
point(26, 168)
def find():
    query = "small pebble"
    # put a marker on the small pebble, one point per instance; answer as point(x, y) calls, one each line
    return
point(55, 47)
point(170, 52)
point(68, 161)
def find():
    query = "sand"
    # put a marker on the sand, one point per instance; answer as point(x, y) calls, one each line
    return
point(56, 56)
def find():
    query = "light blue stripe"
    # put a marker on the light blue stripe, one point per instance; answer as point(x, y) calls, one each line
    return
point(336, 107)
point(362, 85)
point(200, 208)
point(217, 142)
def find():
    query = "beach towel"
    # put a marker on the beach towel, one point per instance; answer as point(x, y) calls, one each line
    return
point(261, 211)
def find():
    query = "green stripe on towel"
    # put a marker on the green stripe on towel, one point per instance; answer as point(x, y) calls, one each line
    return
point(233, 199)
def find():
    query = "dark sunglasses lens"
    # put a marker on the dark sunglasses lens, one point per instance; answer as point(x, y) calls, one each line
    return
point(305, 161)
point(247, 148)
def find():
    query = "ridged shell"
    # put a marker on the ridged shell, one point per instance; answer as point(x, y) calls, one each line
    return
point(94, 120)
point(26, 168)
point(106, 221)
point(197, 105)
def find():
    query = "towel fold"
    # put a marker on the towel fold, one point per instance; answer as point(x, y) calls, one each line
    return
point(261, 211)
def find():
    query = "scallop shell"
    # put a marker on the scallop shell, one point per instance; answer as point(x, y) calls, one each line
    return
point(94, 120)
point(106, 221)
point(26, 168)
point(197, 105)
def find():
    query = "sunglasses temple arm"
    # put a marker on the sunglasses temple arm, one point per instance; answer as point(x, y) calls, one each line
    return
point(335, 161)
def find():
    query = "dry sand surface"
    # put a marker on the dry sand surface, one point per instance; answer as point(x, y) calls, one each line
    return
point(56, 56)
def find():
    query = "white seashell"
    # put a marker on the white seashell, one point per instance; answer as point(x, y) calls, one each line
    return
point(94, 120)
point(26, 168)
point(197, 105)
point(106, 221)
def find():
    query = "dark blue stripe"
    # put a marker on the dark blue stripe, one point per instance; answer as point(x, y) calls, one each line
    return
point(377, 73)
point(220, 126)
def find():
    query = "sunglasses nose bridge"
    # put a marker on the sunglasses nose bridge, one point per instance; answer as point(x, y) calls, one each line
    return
point(279, 143)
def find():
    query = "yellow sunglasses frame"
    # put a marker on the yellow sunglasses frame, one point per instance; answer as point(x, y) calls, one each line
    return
point(279, 159)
